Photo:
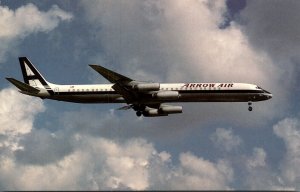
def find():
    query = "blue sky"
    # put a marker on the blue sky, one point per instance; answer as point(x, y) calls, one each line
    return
point(93, 146)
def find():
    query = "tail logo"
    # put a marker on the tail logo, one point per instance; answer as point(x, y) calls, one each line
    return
point(32, 76)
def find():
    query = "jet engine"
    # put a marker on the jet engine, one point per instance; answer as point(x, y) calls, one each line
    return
point(166, 95)
point(144, 87)
point(150, 112)
point(163, 110)
point(168, 109)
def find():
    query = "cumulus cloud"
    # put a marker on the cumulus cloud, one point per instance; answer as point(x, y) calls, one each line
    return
point(17, 113)
point(258, 159)
point(99, 163)
point(272, 27)
point(163, 42)
point(198, 173)
point(158, 40)
point(17, 24)
point(186, 43)
point(289, 130)
point(87, 161)
point(225, 139)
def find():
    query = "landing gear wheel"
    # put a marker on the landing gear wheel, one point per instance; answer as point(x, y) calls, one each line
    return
point(138, 113)
point(250, 108)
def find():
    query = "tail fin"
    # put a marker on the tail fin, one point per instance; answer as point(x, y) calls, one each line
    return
point(31, 75)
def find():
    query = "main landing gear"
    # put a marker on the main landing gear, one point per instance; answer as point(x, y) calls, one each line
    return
point(138, 113)
point(250, 106)
point(139, 109)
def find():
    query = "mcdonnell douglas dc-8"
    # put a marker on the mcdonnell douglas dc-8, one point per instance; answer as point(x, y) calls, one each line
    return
point(146, 98)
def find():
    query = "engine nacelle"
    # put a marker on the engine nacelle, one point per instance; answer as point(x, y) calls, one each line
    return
point(144, 87)
point(150, 112)
point(164, 110)
point(168, 109)
point(166, 95)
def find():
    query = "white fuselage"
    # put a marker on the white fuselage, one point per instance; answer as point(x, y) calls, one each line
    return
point(187, 92)
point(146, 98)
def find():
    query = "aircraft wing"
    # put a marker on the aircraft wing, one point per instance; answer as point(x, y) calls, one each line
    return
point(139, 95)
point(121, 83)
point(111, 76)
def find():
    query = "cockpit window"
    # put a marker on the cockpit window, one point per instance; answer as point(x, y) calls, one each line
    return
point(262, 89)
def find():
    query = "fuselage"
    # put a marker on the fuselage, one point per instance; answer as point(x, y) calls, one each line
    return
point(146, 98)
point(187, 92)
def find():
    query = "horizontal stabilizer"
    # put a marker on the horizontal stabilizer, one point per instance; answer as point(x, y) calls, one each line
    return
point(23, 86)
point(111, 76)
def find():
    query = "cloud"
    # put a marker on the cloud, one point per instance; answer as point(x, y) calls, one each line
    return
point(289, 130)
point(198, 173)
point(158, 40)
point(28, 19)
point(163, 42)
point(258, 159)
point(225, 139)
point(17, 113)
point(99, 163)
point(274, 30)
point(185, 43)
point(71, 159)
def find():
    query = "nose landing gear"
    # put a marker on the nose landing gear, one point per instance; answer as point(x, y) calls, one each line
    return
point(250, 106)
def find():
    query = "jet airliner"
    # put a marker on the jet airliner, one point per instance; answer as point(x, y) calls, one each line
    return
point(146, 98)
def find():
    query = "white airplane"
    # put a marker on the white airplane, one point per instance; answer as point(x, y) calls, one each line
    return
point(147, 99)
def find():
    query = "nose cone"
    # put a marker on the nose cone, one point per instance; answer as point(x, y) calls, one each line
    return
point(268, 95)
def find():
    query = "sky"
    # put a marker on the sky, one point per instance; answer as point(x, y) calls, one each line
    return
point(52, 145)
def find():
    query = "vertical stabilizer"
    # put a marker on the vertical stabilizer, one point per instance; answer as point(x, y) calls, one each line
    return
point(31, 75)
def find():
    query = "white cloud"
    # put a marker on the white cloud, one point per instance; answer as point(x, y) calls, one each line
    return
point(17, 114)
point(257, 160)
point(289, 130)
point(225, 139)
point(197, 173)
point(184, 37)
point(17, 24)
point(99, 163)
point(180, 41)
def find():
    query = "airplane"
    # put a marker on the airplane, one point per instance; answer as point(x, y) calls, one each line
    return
point(146, 98)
